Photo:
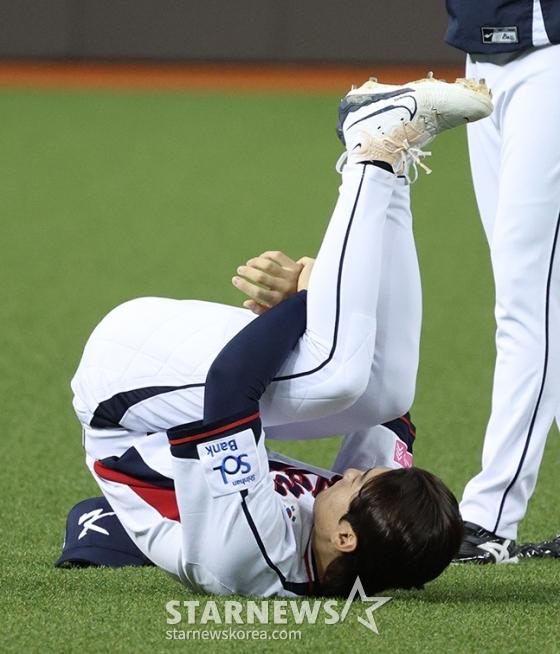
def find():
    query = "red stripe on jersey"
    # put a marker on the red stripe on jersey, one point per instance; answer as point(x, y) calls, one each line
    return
point(213, 432)
point(163, 500)
point(409, 425)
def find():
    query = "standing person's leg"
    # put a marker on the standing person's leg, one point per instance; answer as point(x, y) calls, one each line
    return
point(523, 243)
point(485, 148)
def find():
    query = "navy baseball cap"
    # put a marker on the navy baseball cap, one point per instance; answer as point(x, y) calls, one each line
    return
point(95, 536)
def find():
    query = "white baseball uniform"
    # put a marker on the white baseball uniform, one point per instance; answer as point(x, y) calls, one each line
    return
point(209, 512)
point(515, 162)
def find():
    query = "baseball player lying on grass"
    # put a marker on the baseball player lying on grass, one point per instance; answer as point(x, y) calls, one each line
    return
point(173, 395)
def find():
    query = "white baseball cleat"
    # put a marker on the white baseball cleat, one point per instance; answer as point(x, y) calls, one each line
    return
point(381, 122)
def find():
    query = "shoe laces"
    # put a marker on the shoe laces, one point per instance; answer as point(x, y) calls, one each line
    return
point(340, 163)
point(407, 156)
point(410, 156)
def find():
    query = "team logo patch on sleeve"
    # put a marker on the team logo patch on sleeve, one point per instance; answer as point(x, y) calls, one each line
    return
point(401, 455)
point(230, 464)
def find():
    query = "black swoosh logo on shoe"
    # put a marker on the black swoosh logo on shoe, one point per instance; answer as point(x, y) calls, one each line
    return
point(412, 112)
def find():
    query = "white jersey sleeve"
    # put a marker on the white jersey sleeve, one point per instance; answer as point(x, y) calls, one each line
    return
point(230, 519)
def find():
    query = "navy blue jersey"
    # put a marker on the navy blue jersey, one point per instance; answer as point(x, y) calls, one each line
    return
point(492, 26)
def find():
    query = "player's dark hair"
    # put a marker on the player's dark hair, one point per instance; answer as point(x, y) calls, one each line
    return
point(409, 528)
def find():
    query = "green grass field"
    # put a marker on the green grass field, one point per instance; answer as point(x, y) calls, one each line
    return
point(105, 197)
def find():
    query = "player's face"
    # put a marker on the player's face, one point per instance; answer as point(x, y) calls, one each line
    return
point(332, 503)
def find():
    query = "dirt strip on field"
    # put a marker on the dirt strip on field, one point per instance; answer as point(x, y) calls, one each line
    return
point(228, 77)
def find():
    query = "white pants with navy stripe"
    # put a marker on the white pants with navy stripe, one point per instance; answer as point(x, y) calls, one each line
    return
point(515, 161)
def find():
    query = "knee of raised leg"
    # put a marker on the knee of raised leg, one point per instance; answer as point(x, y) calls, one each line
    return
point(347, 385)
point(400, 399)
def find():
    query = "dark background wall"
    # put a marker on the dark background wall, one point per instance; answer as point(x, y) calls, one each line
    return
point(331, 31)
